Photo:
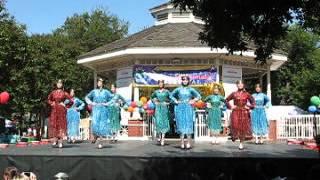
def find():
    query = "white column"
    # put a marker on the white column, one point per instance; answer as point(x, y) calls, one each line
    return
point(217, 64)
point(95, 78)
point(268, 83)
point(136, 94)
point(136, 114)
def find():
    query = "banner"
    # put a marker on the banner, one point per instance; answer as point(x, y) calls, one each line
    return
point(231, 74)
point(149, 75)
point(124, 81)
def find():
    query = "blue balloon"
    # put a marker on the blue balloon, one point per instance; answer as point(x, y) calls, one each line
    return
point(141, 110)
point(151, 105)
point(312, 109)
point(125, 107)
point(128, 102)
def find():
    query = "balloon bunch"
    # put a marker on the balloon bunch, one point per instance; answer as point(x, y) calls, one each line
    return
point(143, 105)
point(315, 103)
point(199, 104)
point(4, 97)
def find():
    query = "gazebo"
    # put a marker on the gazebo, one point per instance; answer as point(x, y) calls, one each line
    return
point(171, 46)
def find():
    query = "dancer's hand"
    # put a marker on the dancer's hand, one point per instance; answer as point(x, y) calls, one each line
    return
point(209, 105)
point(62, 104)
point(30, 176)
point(33, 176)
point(191, 102)
point(93, 104)
point(247, 107)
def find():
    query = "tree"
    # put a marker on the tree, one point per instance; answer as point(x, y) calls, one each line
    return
point(54, 56)
point(307, 83)
point(29, 65)
point(235, 23)
point(296, 81)
point(80, 34)
point(90, 31)
point(13, 41)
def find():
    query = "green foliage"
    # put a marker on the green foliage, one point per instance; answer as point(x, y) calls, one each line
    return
point(90, 31)
point(13, 41)
point(299, 78)
point(234, 23)
point(30, 65)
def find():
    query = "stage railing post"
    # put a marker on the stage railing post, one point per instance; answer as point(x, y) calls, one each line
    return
point(315, 132)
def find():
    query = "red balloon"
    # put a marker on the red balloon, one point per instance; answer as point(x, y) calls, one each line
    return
point(133, 104)
point(204, 105)
point(89, 107)
point(4, 97)
point(150, 112)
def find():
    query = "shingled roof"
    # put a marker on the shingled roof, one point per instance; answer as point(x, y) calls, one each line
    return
point(166, 35)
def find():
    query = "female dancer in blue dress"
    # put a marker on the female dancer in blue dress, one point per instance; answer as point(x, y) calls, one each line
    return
point(161, 98)
point(258, 115)
point(114, 111)
point(184, 97)
point(99, 99)
point(216, 103)
point(73, 117)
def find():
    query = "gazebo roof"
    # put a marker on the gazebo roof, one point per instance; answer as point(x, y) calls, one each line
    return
point(166, 35)
point(175, 35)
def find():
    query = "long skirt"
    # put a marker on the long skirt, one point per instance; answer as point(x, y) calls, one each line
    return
point(214, 120)
point(100, 121)
point(240, 124)
point(58, 122)
point(73, 120)
point(114, 113)
point(184, 116)
point(259, 121)
point(161, 118)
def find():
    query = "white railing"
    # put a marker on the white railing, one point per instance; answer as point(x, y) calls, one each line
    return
point(288, 127)
point(200, 125)
point(297, 127)
point(148, 124)
point(201, 132)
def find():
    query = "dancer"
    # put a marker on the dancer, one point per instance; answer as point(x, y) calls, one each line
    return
point(161, 98)
point(240, 116)
point(73, 117)
point(184, 97)
point(216, 102)
point(258, 115)
point(114, 111)
point(99, 99)
point(57, 120)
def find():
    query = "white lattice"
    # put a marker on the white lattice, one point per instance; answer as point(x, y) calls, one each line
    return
point(297, 126)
